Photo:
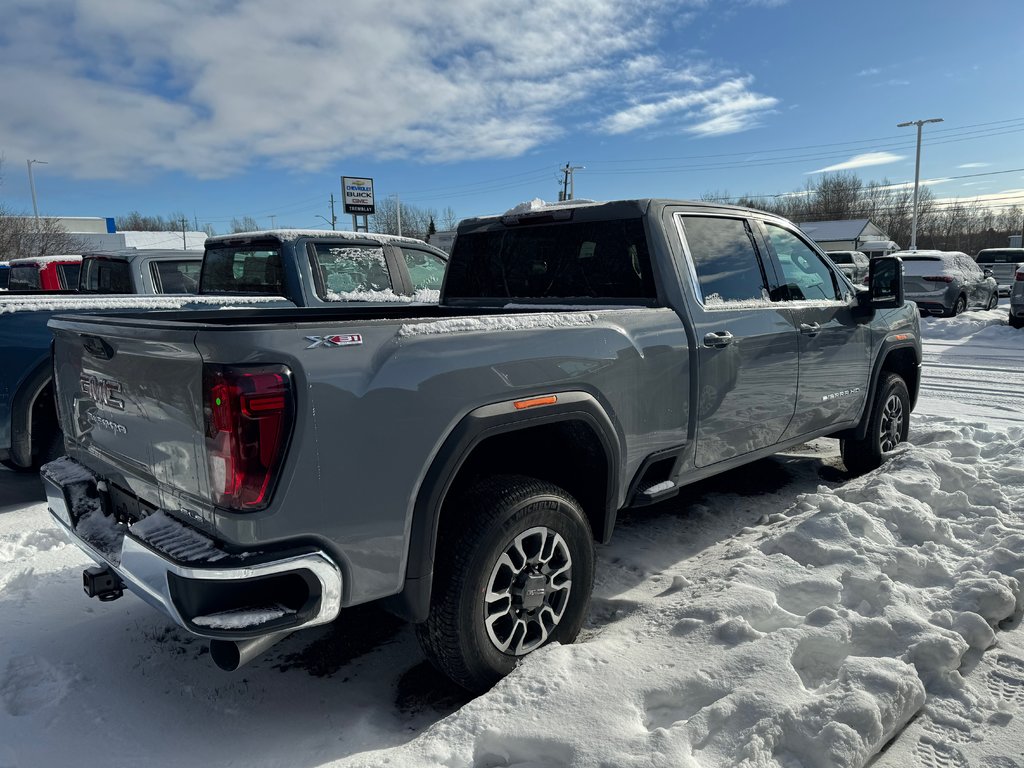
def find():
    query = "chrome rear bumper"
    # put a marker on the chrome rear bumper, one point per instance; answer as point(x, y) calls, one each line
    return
point(214, 586)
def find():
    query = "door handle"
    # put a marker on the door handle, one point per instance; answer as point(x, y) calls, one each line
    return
point(718, 339)
point(811, 329)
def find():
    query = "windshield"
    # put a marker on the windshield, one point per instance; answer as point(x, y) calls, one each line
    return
point(598, 259)
point(249, 268)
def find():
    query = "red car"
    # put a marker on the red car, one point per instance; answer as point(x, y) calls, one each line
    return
point(45, 273)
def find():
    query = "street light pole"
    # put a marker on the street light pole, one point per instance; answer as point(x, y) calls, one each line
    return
point(917, 174)
point(32, 186)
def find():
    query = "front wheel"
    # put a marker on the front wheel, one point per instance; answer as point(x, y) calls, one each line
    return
point(515, 568)
point(889, 425)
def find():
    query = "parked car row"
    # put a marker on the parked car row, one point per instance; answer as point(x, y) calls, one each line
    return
point(288, 268)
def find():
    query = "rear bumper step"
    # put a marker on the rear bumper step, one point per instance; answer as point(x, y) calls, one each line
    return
point(213, 593)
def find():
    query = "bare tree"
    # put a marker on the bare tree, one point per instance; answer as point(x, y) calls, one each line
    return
point(415, 221)
point(245, 224)
point(448, 218)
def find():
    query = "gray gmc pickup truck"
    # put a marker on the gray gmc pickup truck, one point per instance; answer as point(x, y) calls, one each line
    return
point(254, 472)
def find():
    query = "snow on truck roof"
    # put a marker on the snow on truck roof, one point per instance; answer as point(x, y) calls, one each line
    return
point(285, 235)
point(40, 260)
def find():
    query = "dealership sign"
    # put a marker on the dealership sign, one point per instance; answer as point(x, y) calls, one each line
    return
point(357, 195)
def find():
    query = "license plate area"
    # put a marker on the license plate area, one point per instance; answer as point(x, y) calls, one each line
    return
point(123, 506)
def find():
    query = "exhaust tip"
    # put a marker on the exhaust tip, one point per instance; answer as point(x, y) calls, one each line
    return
point(225, 654)
point(229, 655)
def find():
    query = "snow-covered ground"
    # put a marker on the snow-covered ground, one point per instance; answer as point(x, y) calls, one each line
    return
point(781, 615)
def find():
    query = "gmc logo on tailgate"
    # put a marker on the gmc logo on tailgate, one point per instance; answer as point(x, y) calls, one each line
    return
point(102, 391)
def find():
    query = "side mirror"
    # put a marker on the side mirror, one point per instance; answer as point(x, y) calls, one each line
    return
point(885, 283)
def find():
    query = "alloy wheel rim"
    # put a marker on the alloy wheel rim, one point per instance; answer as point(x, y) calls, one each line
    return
point(528, 591)
point(891, 428)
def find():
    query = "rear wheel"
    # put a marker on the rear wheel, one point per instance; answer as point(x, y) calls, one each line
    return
point(994, 301)
point(959, 307)
point(889, 425)
point(1016, 322)
point(515, 568)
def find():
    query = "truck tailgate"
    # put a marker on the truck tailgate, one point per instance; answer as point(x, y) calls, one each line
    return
point(131, 398)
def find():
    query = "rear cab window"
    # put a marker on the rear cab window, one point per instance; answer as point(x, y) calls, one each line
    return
point(249, 268)
point(922, 266)
point(1000, 257)
point(24, 277)
point(606, 260)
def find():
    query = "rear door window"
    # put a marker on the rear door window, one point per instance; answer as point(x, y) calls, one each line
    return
point(67, 275)
point(176, 276)
point(251, 268)
point(347, 272)
point(105, 276)
point(728, 268)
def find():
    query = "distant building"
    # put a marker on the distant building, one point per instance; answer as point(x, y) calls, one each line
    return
point(850, 235)
point(442, 240)
point(100, 234)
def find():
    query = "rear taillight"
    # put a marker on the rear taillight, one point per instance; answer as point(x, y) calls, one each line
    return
point(249, 415)
point(938, 279)
point(1018, 276)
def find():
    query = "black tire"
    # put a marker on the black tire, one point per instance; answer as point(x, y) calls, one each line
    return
point(473, 561)
point(1016, 322)
point(889, 424)
point(994, 301)
point(959, 307)
point(54, 449)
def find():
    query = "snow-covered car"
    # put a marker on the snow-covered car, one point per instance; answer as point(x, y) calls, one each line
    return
point(946, 283)
point(1017, 298)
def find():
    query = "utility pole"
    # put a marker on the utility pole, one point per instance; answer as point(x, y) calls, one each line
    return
point(569, 182)
point(398, 211)
point(917, 173)
point(32, 186)
point(184, 240)
point(334, 219)
point(273, 217)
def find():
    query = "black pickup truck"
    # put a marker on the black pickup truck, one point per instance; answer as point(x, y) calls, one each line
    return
point(251, 473)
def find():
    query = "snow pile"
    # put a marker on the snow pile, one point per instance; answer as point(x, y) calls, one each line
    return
point(499, 323)
point(242, 618)
point(41, 260)
point(809, 640)
point(963, 325)
point(166, 534)
point(422, 296)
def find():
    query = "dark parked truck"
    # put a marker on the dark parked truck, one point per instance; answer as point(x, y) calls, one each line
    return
point(255, 472)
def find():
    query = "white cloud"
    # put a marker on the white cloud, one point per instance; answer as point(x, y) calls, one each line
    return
point(974, 165)
point(862, 161)
point(869, 72)
point(1003, 199)
point(704, 110)
point(115, 88)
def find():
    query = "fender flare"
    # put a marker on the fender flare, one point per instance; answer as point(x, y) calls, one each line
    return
point(887, 347)
point(413, 602)
point(22, 407)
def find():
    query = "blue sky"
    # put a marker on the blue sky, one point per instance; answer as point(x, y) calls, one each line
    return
point(228, 109)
